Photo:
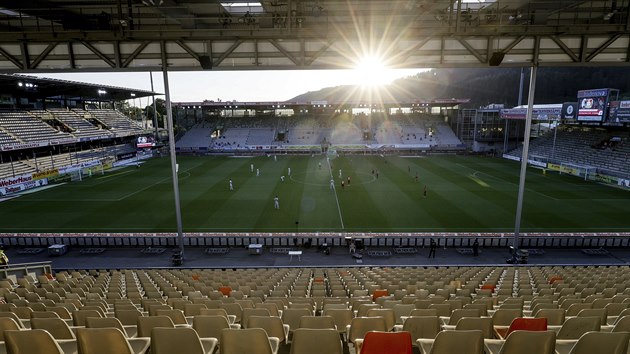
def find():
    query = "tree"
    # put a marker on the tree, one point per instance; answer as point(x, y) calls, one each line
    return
point(161, 111)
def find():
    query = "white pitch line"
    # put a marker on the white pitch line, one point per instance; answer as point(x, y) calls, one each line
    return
point(335, 190)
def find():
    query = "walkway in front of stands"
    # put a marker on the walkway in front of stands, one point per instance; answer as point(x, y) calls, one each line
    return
point(311, 257)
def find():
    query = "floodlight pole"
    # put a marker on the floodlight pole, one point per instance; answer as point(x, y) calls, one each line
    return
point(171, 140)
point(155, 123)
point(528, 125)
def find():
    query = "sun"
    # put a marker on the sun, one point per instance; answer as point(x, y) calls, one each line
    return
point(372, 71)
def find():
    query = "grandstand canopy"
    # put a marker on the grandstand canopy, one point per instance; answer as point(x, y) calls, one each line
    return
point(449, 102)
point(37, 87)
point(142, 35)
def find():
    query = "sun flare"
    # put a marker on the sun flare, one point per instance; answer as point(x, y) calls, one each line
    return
point(372, 71)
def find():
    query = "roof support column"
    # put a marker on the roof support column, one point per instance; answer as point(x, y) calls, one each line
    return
point(171, 140)
point(528, 125)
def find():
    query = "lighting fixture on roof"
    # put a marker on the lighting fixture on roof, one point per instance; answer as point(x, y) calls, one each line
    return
point(102, 92)
point(243, 7)
point(133, 94)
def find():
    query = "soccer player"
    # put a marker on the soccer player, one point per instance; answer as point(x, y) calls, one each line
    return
point(289, 172)
point(342, 184)
point(348, 181)
point(424, 193)
point(276, 202)
point(257, 172)
point(340, 174)
point(275, 157)
point(320, 165)
point(332, 184)
point(251, 167)
point(231, 186)
point(282, 178)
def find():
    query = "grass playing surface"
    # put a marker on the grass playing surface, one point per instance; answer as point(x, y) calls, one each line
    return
point(464, 194)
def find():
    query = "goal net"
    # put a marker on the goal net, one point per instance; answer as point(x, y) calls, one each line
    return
point(582, 171)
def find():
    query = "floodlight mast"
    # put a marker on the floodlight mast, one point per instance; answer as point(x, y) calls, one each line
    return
point(524, 157)
point(171, 140)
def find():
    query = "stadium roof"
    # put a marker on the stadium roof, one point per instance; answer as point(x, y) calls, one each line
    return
point(143, 35)
point(448, 102)
point(37, 87)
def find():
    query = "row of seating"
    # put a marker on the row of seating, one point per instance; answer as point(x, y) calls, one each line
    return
point(473, 295)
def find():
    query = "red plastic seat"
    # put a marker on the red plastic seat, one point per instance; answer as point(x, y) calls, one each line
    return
point(225, 290)
point(527, 324)
point(379, 293)
point(554, 279)
point(387, 342)
point(488, 286)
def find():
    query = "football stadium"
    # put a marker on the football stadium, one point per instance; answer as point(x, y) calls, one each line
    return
point(375, 177)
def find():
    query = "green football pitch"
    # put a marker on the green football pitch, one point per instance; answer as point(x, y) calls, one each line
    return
point(463, 194)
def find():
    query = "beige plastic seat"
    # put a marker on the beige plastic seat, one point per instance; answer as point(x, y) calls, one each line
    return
point(272, 325)
point(108, 341)
point(601, 313)
point(7, 324)
point(528, 342)
point(342, 318)
point(602, 343)
point(30, 342)
point(359, 326)
point(146, 324)
point(127, 317)
point(484, 324)
point(555, 317)
point(211, 326)
point(177, 316)
point(218, 312)
point(111, 322)
point(250, 341)
point(458, 314)
point(426, 327)
point(317, 322)
point(180, 340)
point(248, 312)
point(387, 314)
point(271, 307)
point(79, 316)
point(622, 324)
point(450, 342)
point(575, 327)
point(233, 309)
point(503, 317)
point(572, 329)
point(57, 327)
point(316, 341)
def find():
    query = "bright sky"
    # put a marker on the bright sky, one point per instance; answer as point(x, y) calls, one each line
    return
point(242, 85)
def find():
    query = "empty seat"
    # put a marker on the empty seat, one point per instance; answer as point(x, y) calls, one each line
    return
point(31, 341)
point(250, 341)
point(316, 341)
point(180, 340)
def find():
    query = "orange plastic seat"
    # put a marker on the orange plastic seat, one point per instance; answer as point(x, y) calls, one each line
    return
point(379, 293)
point(525, 324)
point(488, 286)
point(387, 342)
point(554, 279)
point(225, 290)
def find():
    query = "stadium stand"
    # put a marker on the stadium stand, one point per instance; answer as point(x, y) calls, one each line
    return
point(28, 164)
point(584, 146)
point(27, 128)
point(81, 128)
point(406, 131)
point(114, 120)
point(514, 300)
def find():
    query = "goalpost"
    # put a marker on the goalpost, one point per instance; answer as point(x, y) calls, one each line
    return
point(80, 174)
point(577, 170)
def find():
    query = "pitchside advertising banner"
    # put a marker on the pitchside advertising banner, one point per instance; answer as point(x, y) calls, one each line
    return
point(592, 105)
